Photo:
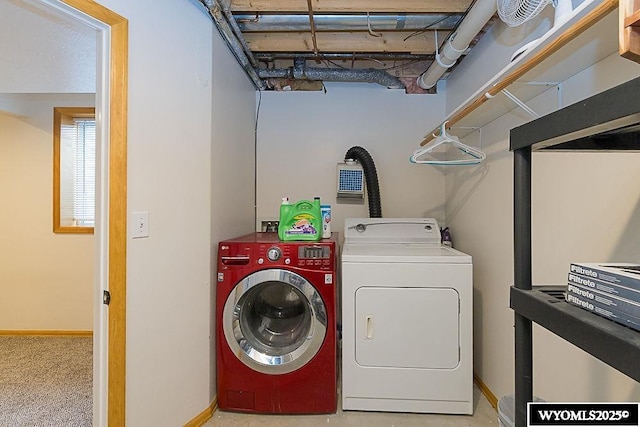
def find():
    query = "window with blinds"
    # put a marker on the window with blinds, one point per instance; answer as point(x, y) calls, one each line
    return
point(74, 170)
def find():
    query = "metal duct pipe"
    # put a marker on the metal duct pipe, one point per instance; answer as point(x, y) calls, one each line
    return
point(458, 42)
point(300, 72)
point(272, 56)
point(325, 22)
point(227, 33)
point(226, 10)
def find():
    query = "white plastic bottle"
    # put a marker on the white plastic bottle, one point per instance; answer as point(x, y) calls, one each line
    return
point(325, 213)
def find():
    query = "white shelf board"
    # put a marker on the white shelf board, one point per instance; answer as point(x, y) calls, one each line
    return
point(594, 44)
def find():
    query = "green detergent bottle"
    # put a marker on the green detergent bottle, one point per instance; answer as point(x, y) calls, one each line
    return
point(300, 221)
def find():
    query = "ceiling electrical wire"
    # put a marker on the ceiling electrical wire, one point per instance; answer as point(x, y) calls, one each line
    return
point(418, 32)
point(371, 32)
point(255, 157)
point(384, 65)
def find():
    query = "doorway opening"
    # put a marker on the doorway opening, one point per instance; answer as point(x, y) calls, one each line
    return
point(111, 197)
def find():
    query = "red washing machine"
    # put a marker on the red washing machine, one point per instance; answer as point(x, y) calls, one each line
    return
point(276, 325)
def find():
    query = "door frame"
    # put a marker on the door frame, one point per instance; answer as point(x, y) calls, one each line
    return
point(111, 206)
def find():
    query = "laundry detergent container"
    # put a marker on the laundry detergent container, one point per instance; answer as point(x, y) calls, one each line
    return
point(300, 221)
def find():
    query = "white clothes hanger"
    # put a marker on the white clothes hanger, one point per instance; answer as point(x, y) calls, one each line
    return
point(475, 156)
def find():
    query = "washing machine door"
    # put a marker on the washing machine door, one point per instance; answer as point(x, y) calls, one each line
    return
point(274, 321)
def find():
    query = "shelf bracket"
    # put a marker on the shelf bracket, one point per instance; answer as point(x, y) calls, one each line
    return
point(524, 106)
point(473, 128)
point(557, 85)
point(520, 104)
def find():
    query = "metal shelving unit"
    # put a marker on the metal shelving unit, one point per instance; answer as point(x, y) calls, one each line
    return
point(607, 121)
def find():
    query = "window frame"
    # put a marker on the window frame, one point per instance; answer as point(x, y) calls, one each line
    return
point(60, 113)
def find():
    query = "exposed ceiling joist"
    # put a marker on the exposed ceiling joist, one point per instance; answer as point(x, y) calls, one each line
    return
point(279, 41)
point(399, 41)
point(351, 22)
point(350, 6)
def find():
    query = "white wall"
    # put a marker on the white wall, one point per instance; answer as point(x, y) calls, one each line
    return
point(565, 229)
point(303, 135)
point(66, 49)
point(233, 162)
point(46, 279)
point(172, 161)
point(604, 232)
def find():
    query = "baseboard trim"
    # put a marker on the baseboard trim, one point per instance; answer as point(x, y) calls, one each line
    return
point(485, 390)
point(45, 332)
point(204, 416)
point(207, 414)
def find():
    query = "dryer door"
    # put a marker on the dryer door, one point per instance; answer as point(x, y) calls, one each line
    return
point(274, 321)
point(408, 327)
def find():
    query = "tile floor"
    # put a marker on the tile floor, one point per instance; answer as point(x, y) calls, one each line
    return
point(484, 415)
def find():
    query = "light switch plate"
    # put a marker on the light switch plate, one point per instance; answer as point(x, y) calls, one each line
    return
point(140, 225)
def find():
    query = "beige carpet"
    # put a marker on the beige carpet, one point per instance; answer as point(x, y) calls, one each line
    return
point(46, 381)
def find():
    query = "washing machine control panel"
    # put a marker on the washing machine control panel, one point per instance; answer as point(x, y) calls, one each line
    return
point(314, 252)
point(301, 255)
point(270, 252)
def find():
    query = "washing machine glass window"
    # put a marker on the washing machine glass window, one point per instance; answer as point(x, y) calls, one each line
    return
point(275, 321)
point(274, 318)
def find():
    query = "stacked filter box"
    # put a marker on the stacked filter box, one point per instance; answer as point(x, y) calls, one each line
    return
point(609, 290)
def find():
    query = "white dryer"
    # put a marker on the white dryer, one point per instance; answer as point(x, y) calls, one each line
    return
point(407, 321)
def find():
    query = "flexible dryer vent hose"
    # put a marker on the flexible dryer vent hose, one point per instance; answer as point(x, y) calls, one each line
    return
point(371, 177)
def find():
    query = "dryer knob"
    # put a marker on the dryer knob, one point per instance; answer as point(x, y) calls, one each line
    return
point(274, 254)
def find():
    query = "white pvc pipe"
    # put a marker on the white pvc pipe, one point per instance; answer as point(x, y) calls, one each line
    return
point(458, 42)
point(562, 12)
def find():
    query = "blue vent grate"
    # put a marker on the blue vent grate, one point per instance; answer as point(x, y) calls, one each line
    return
point(350, 180)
